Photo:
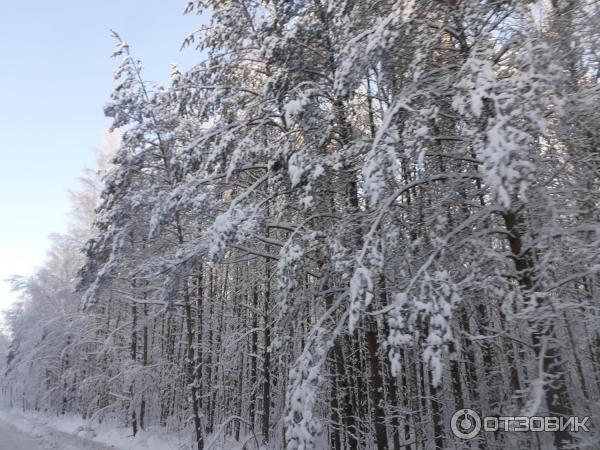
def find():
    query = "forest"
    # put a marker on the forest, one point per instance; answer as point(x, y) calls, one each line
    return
point(348, 221)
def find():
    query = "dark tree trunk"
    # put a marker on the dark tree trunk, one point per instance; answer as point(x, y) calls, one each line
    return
point(134, 424)
point(144, 363)
point(190, 363)
point(542, 333)
point(376, 388)
point(267, 356)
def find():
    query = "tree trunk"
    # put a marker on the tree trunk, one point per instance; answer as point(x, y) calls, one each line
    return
point(191, 378)
point(542, 333)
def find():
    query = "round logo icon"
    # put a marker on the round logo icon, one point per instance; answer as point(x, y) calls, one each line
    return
point(465, 424)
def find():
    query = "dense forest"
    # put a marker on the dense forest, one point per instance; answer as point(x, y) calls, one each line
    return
point(347, 221)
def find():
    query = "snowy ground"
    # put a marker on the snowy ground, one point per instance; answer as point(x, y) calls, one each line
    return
point(13, 439)
point(37, 432)
point(18, 433)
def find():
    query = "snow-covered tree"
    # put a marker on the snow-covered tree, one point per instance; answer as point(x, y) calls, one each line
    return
point(349, 220)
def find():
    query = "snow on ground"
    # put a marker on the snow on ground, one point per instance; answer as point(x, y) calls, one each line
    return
point(13, 439)
point(23, 434)
point(26, 431)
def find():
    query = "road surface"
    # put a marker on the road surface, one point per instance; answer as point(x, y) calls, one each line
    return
point(13, 439)
point(43, 438)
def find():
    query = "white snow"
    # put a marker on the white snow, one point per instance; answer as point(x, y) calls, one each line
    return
point(29, 431)
point(13, 439)
point(20, 433)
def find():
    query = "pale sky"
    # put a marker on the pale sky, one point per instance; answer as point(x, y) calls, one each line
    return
point(55, 76)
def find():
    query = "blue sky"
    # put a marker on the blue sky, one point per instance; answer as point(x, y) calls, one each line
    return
point(55, 76)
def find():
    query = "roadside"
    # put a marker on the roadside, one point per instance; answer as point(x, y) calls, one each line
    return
point(20, 433)
point(13, 439)
point(38, 432)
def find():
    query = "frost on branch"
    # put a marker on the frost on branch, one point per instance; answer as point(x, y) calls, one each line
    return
point(228, 228)
point(290, 261)
point(295, 107)
point(303, 171)
point(505, 168)
point(369, 264)
point(507, 110)
point(380, 166)
point(361, 294)
point(305, 379)
point(424, 315)
point(476, 82)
